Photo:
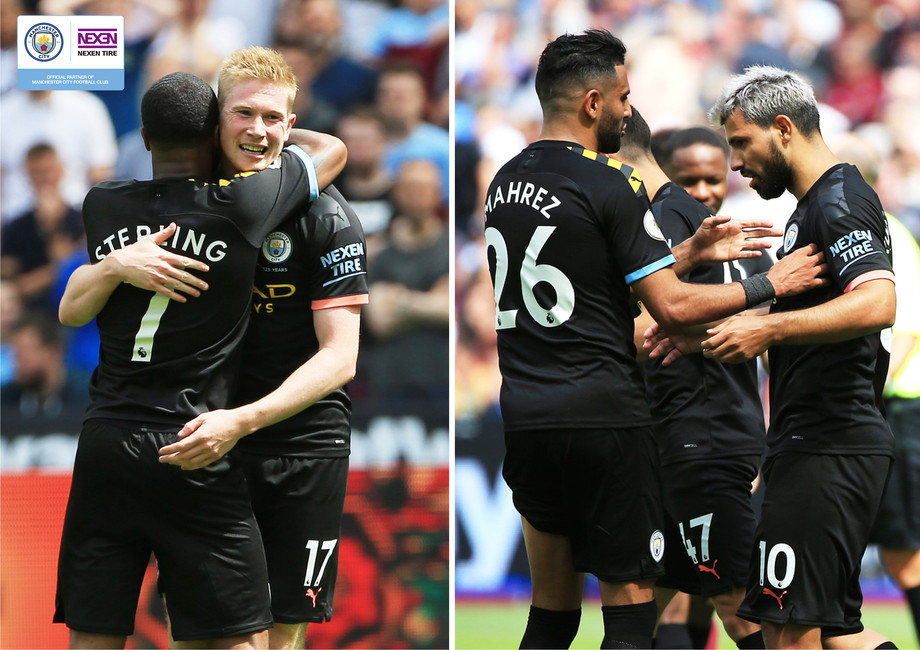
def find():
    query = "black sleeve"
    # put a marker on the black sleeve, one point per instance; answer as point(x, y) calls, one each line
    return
point(261, 200)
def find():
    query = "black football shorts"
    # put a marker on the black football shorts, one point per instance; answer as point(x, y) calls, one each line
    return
point(599, 488)
point(298, 503)
point(125, 504)
point(709, 532)
point(809, 544)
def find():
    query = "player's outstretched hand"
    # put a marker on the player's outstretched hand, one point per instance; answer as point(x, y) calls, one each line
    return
point(738, 339)
point(723, 239)
point(147, 265)
point(204, 439)
point(799, 271)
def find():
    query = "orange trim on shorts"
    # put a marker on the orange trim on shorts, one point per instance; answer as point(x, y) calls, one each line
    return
point(341, 301)
point(866, 277)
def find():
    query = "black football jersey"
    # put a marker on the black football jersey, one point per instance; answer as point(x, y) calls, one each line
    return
point(162, 361)
point(315, 260)
point(701, 408)
point(567, 231)
point(827, 398)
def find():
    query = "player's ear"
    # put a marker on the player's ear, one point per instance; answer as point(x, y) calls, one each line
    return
point(146, 141)
point(590, 103)
point(784, 126)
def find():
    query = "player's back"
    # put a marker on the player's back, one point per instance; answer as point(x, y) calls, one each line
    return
point(565, 233)
point(163, 361)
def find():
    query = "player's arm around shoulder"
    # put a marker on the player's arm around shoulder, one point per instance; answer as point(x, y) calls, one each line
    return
point(328, 152)
point(143, 264)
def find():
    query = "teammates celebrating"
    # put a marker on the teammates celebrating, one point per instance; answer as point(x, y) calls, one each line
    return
point(581, 448)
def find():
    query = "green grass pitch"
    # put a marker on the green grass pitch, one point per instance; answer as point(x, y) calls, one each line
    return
point(499, 624)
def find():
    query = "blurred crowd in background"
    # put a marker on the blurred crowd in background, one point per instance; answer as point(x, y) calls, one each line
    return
point(862, 57)
point(373, 72)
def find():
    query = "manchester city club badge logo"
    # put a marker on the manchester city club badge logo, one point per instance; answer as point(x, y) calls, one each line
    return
point(277, 247)
point(792, 233)
point(44, 42)
point(656, 545)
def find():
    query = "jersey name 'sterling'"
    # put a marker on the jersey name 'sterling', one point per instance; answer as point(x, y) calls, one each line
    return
point(186, 240)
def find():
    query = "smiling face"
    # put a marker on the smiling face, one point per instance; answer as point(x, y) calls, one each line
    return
point(702, 170)
point(757, 156)
point(255, 121)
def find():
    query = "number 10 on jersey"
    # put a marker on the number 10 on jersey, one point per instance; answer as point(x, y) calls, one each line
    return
point(530, 275)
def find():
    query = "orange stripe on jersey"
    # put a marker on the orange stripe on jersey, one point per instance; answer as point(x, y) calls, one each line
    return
point(866, 277)
point(341, 301)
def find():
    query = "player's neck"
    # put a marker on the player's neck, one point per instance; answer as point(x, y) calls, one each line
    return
point(809, 165)
point(652, 176)
point(560, 130)
point(193, 163)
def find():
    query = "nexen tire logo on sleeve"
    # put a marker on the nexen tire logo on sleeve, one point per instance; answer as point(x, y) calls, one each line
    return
point(277, 247)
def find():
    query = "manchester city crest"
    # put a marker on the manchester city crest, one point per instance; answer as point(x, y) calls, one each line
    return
point(656, 545)
point(44, 42)
point(792, 233)
point(276, 248)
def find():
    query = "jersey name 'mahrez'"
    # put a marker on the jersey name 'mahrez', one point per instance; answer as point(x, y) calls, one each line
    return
point(522, 192)
point(185, 240)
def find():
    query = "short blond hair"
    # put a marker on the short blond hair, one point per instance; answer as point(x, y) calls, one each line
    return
point(259, 63)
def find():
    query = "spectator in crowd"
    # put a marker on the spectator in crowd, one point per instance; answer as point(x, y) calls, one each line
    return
point(10, 10)
point(42, 384)
point(402, 101)
point(365, 182)
point(409, 310)
point(414, 30)
point(312, 112)
point(196, 41)
point(339, 79)
point(855, 87)
point(78, 125)
point(11, 310)
point(32, 245)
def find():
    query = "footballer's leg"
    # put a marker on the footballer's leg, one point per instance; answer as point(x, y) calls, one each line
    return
point(287, 636)
point(90, 641)
point(253, 641)
point(555, 610)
